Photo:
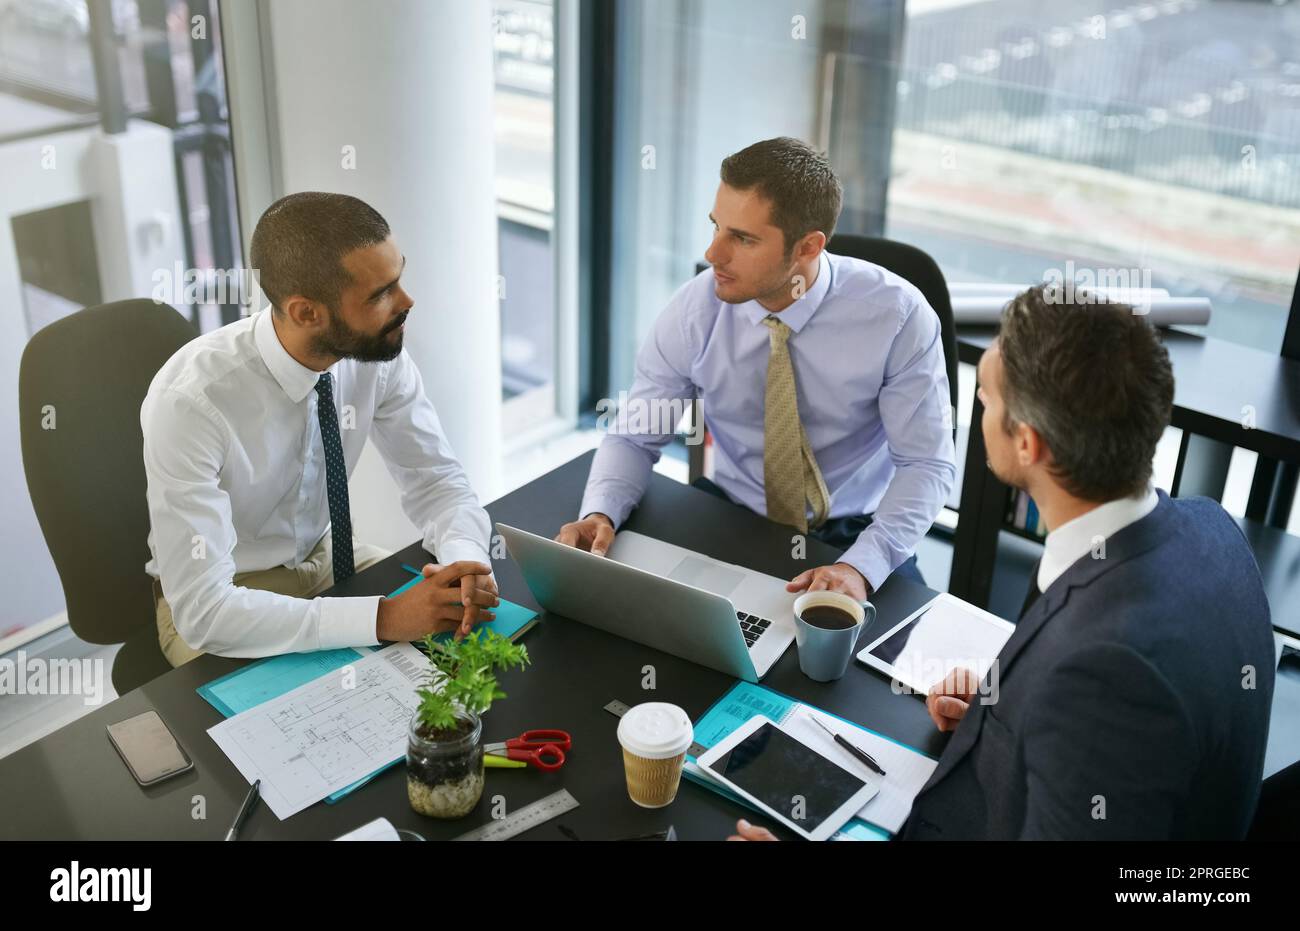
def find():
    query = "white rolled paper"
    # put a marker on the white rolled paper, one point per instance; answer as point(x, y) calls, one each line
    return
point(996, 289)
point(1159, 311)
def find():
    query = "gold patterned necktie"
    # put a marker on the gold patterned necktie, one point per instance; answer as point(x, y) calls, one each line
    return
point(790, 472)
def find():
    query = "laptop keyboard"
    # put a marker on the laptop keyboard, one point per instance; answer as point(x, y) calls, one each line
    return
point(752, 627)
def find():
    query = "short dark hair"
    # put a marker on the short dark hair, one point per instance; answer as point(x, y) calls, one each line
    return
point(300, 241)
point(1094, 380)
point(796, 178)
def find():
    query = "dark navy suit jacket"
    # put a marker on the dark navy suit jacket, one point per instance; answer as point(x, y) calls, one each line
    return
point(1132, 699)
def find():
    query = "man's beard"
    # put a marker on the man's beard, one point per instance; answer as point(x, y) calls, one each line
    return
point(346, 343)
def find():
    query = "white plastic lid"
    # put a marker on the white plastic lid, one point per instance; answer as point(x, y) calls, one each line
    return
point(655, 730)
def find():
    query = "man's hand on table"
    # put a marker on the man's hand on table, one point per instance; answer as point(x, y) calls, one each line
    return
point(593, 533)
point(454, 597)
point(840, 577)
point(747, 831)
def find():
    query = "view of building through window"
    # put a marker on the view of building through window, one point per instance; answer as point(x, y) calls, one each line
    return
point(167, 77)
point(525, 143)
point(1162, 137)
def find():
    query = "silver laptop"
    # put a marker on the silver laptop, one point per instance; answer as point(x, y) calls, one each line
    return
point(719, 615)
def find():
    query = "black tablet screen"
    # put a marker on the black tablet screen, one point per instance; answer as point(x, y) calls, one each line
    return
point(788, 776)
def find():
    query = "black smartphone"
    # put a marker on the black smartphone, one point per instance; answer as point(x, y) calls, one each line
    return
point(148, 748)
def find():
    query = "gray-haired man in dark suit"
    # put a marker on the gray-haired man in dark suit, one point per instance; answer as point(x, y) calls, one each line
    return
point(1133, 697)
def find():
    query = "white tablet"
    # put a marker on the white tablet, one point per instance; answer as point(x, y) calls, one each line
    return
point(765, 764)
point(945, 634)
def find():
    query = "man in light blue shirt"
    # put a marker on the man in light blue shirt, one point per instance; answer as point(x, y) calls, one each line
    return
point(856, 448)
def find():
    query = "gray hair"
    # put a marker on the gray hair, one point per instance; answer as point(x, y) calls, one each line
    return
point(1095, 382)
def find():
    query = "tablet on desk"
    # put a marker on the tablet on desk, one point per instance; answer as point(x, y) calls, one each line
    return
point(945, 634)
point(809, 793)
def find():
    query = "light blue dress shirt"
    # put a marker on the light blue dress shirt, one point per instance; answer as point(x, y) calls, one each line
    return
point(873, 398)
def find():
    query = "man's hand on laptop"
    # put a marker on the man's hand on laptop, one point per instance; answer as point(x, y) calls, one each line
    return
point(840, 577)
point(593, 533)
point(453, 597)
point(949, 700)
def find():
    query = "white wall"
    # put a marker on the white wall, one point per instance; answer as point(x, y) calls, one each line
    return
point(405, 88)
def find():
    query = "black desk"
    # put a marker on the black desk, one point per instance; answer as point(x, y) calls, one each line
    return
point(72, 785)
point(1217, 385)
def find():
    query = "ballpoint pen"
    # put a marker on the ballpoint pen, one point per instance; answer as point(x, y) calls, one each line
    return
point(250, 800)
point(862, 755)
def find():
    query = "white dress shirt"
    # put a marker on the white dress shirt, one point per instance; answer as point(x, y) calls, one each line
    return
point(1074, 539)
point(236, 482)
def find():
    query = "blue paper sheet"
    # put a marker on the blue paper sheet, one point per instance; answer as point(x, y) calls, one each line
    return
point(736, 707)
point(271, 677)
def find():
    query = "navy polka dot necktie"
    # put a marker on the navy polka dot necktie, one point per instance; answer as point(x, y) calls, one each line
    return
point(336, 480)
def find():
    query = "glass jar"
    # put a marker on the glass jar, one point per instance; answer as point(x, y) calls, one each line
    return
point(444, 772)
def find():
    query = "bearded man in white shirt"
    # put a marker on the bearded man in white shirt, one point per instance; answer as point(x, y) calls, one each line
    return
point(251, 431)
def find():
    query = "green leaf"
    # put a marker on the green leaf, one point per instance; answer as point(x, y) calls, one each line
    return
point(462, 675)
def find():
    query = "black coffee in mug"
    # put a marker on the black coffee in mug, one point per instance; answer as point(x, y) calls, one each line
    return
point(828, 617)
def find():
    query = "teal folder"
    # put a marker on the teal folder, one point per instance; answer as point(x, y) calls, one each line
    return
point(271, 677)
point(738, 705)
point(512, 620)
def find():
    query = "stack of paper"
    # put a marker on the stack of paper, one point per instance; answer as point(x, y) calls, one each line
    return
point(329, 733)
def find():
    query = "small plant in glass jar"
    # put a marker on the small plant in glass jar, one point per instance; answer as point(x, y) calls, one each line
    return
point(444, 752)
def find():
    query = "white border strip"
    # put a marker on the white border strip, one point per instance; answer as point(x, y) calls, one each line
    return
point(30, 633)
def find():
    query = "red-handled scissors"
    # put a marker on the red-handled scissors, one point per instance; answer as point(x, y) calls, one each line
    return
point(541, 748)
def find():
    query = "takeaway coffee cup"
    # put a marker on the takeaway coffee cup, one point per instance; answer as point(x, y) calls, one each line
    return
point(826, 629)
point(655, 736)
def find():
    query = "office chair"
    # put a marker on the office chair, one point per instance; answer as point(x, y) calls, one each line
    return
point(81, 382)
point(907, 262)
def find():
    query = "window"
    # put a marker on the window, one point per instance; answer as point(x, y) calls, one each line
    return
point(1006, 138)
point(525, 149)
point(1162, 137)
point(696, 82)
point(161, 68)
